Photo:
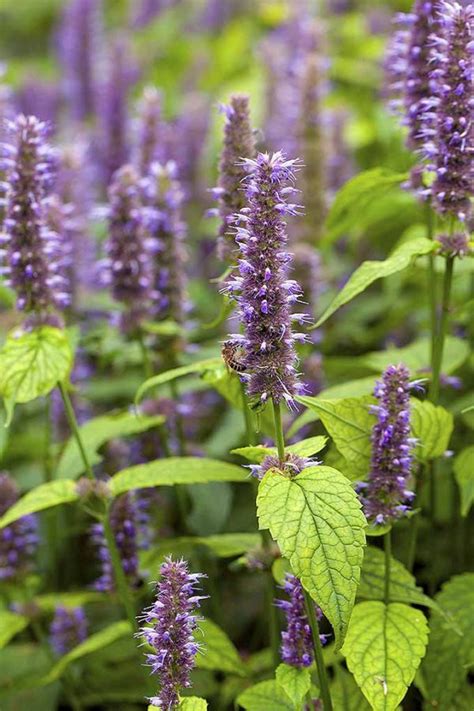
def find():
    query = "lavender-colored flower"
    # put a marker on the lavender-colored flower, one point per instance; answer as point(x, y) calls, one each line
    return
point(80, 39)
point(187, 140)
point(124, 525)
point(449, 114)
point(128, 261)
point(297, 644)
point(19, 540)
point(151, 142)
point(164, 199)
point(173, 621)
point(68, 629)
point(385, 495)
point(239, 143)
point(454, 245)
point(120, 74)
point(308, 273)
point(39, 98)
point(144, 12)
point(265, 294)
point(291, 467)
point(32, 251)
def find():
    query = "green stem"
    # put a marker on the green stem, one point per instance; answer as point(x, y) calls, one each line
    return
point(431, 277)
point(442, 331)
point(413, 538)
point(249, 429)
point(279, 437)
point(318, 653)
point(147, 366)
point(273, 625)
point(75, 429)
point(388, 560)
point(119, 575)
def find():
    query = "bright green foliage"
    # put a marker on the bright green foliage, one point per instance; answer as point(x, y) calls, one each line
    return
point(218, 651)
point(403, 587)
point(32, 363)
point(449, 656)
point(189, 703)
point(157, 380)
point(96, 641)
point(416, 357)
point(464, 471)
point(49, 601)
point(97, 432)
point(345, 694)
point(356, 195)
point(264, 696)
point(10, 625)
point(176, 470)
point(432, 426)
point(305, 448)
point(294, 682)
point(383, 649)
point(317, 522)
point(349, 423)
point(223, 545)
point(44, 496)
point(370, 271)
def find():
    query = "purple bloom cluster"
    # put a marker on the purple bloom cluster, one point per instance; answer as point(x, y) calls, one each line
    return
point(265, 294)
point(297, 644)
point(239, 143)
point(173, 621)
point(68, 629)
point(292, 466)
point(449, 113)
point(408, 66)
point(163, 197)
point(33, 252)
point(454, 245)
point(79, 40)
point(151, 129)
point(125, 519)
point(128, 268)
point(385, 495)
point(19, 540)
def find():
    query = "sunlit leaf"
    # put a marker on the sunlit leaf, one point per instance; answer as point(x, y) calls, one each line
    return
point(218, 652)
point(464, 471)
point(265, 696)
point(305, 448)
point(170, 375)
point(10, 625)
point(294, 682)
point(44, 496)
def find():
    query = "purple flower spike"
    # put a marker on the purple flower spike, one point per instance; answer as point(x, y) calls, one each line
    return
point(151, 130)
point(18, 542)
point(164, 199)
point(449, 114)
point(80, 40)
point(125, 520)
point(292, 466)
point(173, 621)
point(297, 643)
point(68, 629)
point(454, 245)
point(32, 251)
point(385, 495)
point(239, 143)
point(128, 268)
point(265, 293)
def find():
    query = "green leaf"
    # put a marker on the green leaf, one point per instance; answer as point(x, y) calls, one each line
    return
point(295, 682)
point(370, 271)
point(44, 496)
point(176, 470)
point(432, 426)
point(97, 432)
point(384, 647)
point(189, 703)
point(280, 567)
point(218, 652)
point(417, 356)
point(265, 696)
point(317, 522)
point(157, 380)
point(32, 363)
point(10, 625)
point(345, 694)
point(223, 545)
point(305, 448)
point(349, 423)
point(403, 587)
point(356, 196)
point(49, 601)
point(163, 328)
point(97, 641)
point(464, 471)
point(446, 665)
